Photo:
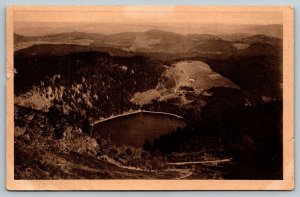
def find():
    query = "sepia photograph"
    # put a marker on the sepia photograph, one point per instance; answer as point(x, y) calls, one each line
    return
point(188, 95)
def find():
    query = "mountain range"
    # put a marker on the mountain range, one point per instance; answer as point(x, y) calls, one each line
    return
point(254, 62)
point(158, 41)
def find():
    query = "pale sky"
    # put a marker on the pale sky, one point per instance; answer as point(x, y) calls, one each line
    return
point(150, 17)
point(43, 20)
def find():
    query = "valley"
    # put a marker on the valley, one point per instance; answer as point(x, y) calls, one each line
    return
point(147, 105)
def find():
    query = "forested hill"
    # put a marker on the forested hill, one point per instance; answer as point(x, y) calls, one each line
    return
point(64, 49)
point(73, 62)
point(89, 83)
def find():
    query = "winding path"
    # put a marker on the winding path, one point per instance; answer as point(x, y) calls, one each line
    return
point(200, 162)
point(182, 173)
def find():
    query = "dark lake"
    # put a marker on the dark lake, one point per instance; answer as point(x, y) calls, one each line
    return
point(135, 128)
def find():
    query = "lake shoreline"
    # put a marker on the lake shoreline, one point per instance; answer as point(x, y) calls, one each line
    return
point(135, 127)
point(136, 112)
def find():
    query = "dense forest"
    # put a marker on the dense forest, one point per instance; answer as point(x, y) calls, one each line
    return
point(85, 84)
point(61, 90)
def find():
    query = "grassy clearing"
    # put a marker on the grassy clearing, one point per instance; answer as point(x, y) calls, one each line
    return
point(181, 78)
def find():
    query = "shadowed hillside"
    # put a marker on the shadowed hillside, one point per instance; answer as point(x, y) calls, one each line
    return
point(71, 87)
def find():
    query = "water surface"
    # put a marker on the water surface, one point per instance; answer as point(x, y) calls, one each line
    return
point(135, 128)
